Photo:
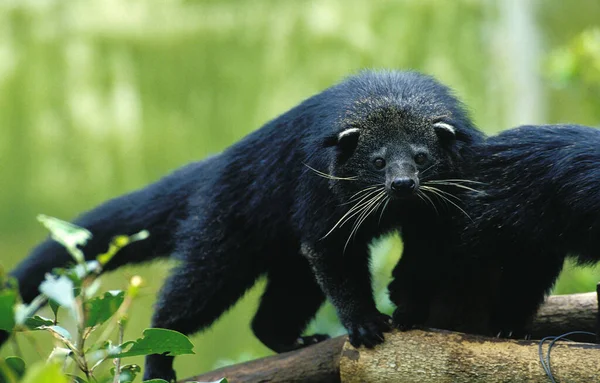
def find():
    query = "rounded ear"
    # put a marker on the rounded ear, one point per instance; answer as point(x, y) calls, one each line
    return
point(346, 140)
point(445, 131)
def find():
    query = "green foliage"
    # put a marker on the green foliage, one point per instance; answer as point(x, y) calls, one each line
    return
point(73, 289)
point(36, 321)
point(45, 373)
point(577, 63)
point(67, 234)
point(128, 373)
point(157, 341)
point(100, 309)
point(11, 369)
point(16, 364)
point(8, 299)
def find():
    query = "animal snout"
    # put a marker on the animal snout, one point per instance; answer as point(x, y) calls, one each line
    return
point(403, 185)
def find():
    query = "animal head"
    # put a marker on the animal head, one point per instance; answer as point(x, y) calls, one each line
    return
point(393, 132)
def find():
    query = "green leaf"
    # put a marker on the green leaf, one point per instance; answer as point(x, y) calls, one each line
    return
point(54, 306)
point(37, 321)
point(128, 373)
point(16, 364)
point(44, 373)
point(67, 234)
point(8, 299)
point(157, 341)
point(60, 289)
point(100, 309)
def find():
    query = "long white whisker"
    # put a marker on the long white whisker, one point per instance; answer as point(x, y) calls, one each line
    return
point(366, 212)
point(352, 211)
point(459, 180)
point(363, 202)
point(387, 200)
point(331, 177)
point(452, 184)
point(434, 193)
point(448, 194)
point(428, 199)
point(374, 200)
point(428, 168)
point(357, 223)
point(455, 205)
point(352, 198)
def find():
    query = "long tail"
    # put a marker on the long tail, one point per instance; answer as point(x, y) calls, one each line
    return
point(156, 208)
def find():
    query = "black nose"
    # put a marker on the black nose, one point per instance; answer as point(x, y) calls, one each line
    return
point(404, 185)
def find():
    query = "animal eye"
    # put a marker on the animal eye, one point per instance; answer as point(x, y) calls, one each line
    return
point(379, 163)
point(420, 158)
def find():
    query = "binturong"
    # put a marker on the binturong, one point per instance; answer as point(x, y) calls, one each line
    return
point(531, 200)
point(298, 200)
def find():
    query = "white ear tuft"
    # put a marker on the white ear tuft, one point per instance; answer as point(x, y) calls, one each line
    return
point(347, 132)
point(449, 128)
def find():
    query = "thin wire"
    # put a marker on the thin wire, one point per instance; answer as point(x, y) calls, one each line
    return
point(546, 363)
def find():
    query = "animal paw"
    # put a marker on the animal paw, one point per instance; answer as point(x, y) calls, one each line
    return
point(304, 341)
point(301, 342)
point(404, 320)
point(369, 331)
point(513, 334)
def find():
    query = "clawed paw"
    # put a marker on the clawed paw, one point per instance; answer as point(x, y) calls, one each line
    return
point(304, 341)
point(369, 331)
point(512, 334)
point(403, 320)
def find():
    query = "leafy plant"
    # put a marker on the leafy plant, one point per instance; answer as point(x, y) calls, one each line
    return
point(78, 355)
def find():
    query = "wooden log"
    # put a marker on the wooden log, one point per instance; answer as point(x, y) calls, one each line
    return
point(564, 313)
point(313, 364)
point(446, 357)
point(440, 355)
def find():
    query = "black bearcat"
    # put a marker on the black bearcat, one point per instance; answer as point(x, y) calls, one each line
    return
point(532, 200)
point(299, 201)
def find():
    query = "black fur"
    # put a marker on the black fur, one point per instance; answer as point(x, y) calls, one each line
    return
point(538, 203)
point(260, 208)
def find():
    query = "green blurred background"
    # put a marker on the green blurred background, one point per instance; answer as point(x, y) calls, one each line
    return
point(100, 97)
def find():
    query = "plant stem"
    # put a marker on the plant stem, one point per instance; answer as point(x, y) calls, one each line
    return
point(81, 329)
point(117, 377)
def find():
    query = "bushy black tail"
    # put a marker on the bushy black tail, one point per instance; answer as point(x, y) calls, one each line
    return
point(156, 208)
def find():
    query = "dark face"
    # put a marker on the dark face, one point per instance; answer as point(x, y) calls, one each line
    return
point(391, 155)
point(394, 140)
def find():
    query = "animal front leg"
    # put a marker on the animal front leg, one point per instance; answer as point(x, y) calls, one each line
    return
point(290, 301)
point(345, 279)
point(409, 293)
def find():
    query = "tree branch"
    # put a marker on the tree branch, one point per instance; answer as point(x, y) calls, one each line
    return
point(439, 356)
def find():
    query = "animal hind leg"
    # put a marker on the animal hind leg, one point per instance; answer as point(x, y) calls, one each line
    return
point(291, 299)
point(522, 288)
point(193, 297)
